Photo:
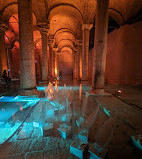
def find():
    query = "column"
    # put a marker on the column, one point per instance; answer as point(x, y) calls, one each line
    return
point(44, 56)
point(9, 61)
point(53, 63)
point(79, 60)
point(56, 62)
point(27, 57)
point(100, 42)
point(85, 50)
point(73, 65)
point(3, 54)
point(76, 64)
point(50, 59)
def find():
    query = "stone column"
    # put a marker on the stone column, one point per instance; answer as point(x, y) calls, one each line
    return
point(27, 57)
point(74, 65)
point(79, 60)
point(9, 61)
point(85, 50)
point(56, 62)
point(100, 42)
point(50, 44)
point(3, 54)
point(53, 63)
point(44, 56)
point(50, 60)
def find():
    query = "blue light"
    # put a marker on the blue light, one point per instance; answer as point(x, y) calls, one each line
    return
point(106, 112)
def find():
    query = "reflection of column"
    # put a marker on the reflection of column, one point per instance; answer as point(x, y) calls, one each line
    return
point(27, 58)
point(85, 50)
point(3, 55)
point(100, 44)
point(79, 58)
point(44, 56)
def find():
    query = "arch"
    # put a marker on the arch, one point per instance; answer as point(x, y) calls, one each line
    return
point(119, 13)
point(68, 47)
point(66, 40)
point(69, 31)
point(12, 3)
point(63, 4)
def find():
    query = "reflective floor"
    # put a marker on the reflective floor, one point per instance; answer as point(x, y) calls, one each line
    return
point(43, 127)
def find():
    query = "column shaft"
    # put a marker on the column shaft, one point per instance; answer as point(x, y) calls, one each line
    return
point(100, 43)
point(3, 55)
point(56, 65)
point(73, 65)
point(85, 50)
point(79, 60)
point(53, 63)
point(27, 57)
point(44, 57)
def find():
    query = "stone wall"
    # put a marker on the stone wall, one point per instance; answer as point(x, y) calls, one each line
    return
point(124, 55)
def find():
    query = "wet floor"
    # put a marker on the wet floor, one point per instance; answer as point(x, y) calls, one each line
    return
point(109, 121)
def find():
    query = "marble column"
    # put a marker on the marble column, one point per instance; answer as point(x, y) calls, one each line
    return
point(44, 56)
point(27, 57)
point(100, 44)
point(3, 54)
point(85, 50)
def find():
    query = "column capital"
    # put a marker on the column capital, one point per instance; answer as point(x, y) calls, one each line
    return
point(87, 26)
point(43, 27)
point(79, 42)
point(74, 51)
point(55, 49)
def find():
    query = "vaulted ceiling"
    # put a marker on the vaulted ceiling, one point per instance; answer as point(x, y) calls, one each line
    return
point(64, 18)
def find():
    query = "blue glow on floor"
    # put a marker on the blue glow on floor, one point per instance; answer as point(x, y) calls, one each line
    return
point(18, 99)
point(84, 88)
point(106, 112)
point(8, 111)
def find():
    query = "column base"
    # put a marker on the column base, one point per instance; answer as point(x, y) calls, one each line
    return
point(99, 92)
point(84, 81)
point(29, 92)
point(45, 81)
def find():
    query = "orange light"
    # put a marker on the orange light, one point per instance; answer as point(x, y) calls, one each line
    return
point(50, 90)
point(56, 72)
point(119, 91)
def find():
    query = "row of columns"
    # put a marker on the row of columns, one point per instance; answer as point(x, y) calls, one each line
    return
point(80, 68)
point(3, 54)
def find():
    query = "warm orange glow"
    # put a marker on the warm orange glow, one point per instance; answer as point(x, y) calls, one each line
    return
point(55, 72)
point(119, 91)
point(50, 91)
point(80, 91)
